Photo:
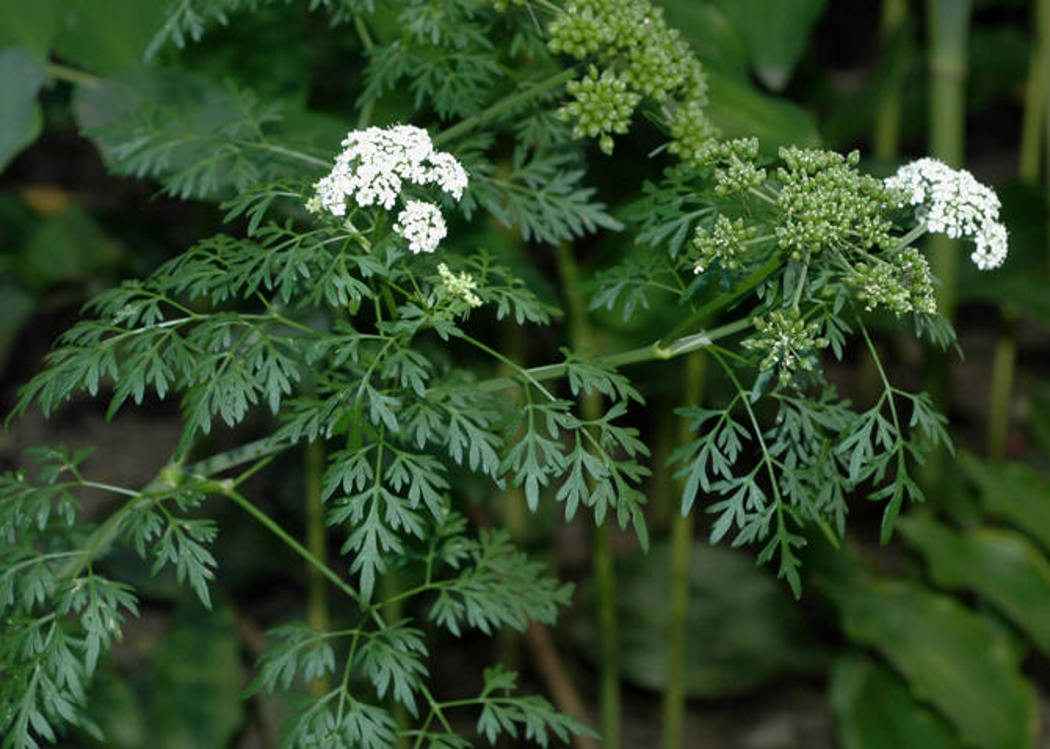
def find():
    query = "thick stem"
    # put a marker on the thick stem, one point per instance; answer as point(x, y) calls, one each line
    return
point(317, 543)
point(887, 134)
point(678, 603)
point(1037, 97)
point(949, 24)
point(604, 570)
point(505, 105)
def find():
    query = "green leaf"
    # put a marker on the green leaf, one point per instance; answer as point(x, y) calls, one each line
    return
point(716, 43)
point(1012, 492)
point(23, 73)
point(873, 709)
point(69, 247)
point(739, 110)
point(752, 633)
point(776, 33)
point(30, 24)
point(16, 306)
point(952, 657)
point(1000, 565)
point(106, 36)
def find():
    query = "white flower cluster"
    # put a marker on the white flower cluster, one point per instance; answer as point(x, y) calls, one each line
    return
point(372, 170)
point(422, 225)
point(952, 202)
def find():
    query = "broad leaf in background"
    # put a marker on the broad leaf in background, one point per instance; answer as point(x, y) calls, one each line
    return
point(69, 246)
point(874, 710)
point(187, 693)
point(776, 33)
point(952, 657)
point(745, 630)
point(1012, 492)
point(200, 139)
point(30, 24)
point(22, 73)
point(999, 565)
point(197, 699)
point(740, 110)
point(107, 36)
point(714, 40)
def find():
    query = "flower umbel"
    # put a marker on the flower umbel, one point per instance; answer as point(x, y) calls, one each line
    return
point(422, 225)
point(373, 169)
point(789, 343)
point(950, 201)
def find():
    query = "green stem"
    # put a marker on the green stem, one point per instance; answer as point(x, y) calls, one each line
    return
point(678, 603)
point(949, 22)
point(72, 75)
point(582, 338)
point(654, 351)
point(609, 686)
point(504, 105)
point(887, 135)
point(1037, 96)
point(317, 543)
point(276, 529)
point(722, 301)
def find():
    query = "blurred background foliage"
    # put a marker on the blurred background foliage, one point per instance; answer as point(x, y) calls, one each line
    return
point(941, 639)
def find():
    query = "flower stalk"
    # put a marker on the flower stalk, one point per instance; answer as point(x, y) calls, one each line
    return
point(678, 603)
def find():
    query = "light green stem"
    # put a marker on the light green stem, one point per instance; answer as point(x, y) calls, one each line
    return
point(1037, 96)
point(949, 24)
point(72, 75)
point(317, 543)
point(582, 338)
point(678, 603)
point(886, 138)
point(505, 105)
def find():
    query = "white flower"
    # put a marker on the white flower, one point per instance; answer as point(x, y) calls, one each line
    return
point(373, 168)
point(422, 225)
point(376, 162)
point(991, 247)
point(952, 202)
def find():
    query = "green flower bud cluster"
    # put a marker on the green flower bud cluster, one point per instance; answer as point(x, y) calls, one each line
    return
point(789, 343)
point(723, 244)
point(457, 291)
point(691, 131)
point(632, 43)
point(826, 202)
point(602, 104)
point(734, 160)
point(900, 281)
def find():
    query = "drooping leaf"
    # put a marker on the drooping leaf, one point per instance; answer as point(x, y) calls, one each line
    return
point(776, 33)
point(1000, 565)
point(873, 709)
point(952, 657)
point(22, 74)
